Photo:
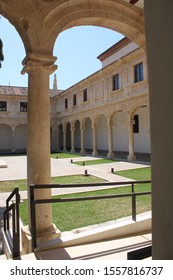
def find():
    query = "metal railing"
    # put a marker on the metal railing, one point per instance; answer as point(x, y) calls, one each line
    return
point(12, 235)
point(34, 201)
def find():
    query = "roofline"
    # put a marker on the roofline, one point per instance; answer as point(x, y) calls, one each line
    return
point(116, 47)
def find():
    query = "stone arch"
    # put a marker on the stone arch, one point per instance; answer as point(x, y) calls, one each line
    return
point(39, 24)
point(6, 138)
point(21, 138)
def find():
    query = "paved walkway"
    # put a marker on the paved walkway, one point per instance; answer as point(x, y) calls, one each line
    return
point(17, 169)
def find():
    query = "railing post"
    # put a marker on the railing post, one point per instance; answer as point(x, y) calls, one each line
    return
point(133, 203)
point(33, 218)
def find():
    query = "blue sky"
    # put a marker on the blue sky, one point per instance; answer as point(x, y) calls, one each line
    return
point(76, 50)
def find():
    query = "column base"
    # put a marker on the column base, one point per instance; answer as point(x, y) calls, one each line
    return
point(94, 153)
point(51, 233)
point(72, 151)
point(131, 157)
point(110, 155)
point(82, 152)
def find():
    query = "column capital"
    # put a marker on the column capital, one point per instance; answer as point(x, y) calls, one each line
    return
point(35, 62)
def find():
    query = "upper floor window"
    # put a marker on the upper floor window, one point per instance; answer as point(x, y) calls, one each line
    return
point(85, 95)
point(23, 106)
point(3, 106)
point(66, 103)
point(74, 100)
point(116, 82)
point(139, 73)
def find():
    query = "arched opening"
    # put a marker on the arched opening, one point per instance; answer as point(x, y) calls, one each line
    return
point(120, 134)
point(77, 136)
point(61, 146)
point(20, 138)
point(141, 131)
point(88, 136)
point(68, 136)
point(102, 135)
point(6, 139)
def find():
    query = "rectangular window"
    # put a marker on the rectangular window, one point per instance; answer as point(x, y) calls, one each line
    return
point(136, 124)
point(85, 95)
point(66, 103)
point(139, 75)
point(74, 100)
point(116, 82)
point(3, 106)
point(23, 106)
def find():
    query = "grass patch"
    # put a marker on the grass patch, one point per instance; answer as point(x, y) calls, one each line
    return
point(8, 186)
point(95, 161)
point(68, 216)
point(64, 155)
point(136, 174)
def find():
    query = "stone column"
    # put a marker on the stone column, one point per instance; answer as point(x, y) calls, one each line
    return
point(131, 155)
point(72, 138)
point(13, 140)
point(82, 151)
point(38, 137)
point(57, 139)
point(110, 141)
point(94, 126)
point(64, 138)
point(159, 42)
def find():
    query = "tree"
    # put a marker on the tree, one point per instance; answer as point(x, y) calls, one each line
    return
point(1, 53)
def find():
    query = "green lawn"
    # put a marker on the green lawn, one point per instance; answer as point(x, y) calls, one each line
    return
point(94, 161)
point(136, 174)
point(68, 216)
point(64, 155)
point(8, 186)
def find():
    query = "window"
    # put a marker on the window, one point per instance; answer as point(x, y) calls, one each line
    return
point(85, 95)
point(3, 106)
point(23, 106)
point(74, 100)
point(136, 124)
point(116, 82)
point(66, 103)
point(139, 75)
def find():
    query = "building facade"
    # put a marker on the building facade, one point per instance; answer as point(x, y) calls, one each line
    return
point(107, 113)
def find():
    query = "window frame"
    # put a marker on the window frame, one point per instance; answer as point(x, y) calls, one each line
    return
point(3, 106)
point(23, 107)
point(74, 99)
point(138, 72)
point(116, 82)
point(66, 103)
point(85, 95)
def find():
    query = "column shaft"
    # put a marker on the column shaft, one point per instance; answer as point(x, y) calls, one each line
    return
point(38, 135)
point(131, 155)
point(110, 141)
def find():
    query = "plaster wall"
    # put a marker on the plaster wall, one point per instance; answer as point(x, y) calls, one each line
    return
point(120, 132)
point(142, 139)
